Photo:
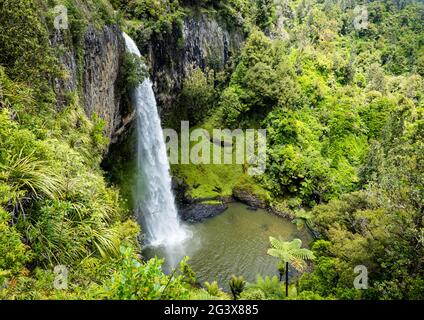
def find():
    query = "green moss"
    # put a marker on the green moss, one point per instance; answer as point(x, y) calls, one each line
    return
point(120, 165)
point(249, 185)
point(217, 180)
point(210, 180)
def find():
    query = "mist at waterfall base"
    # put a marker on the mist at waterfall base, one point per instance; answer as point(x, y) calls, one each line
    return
point(155, 202)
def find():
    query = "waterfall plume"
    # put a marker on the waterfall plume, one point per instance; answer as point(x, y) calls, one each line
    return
point(155, 202)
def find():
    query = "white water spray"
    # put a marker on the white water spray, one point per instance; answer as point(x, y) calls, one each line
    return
point(154, 198)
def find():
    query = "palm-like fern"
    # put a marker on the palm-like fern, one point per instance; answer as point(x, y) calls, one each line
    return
point(237, 285)
point(212, 288)
point(289, 253)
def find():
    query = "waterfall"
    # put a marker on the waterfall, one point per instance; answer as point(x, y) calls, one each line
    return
point(155, 202)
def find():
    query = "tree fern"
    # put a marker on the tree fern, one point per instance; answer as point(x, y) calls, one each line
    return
point(237, 285)
point(289, 253)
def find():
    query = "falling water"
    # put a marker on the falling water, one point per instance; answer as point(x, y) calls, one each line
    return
point(155, 201)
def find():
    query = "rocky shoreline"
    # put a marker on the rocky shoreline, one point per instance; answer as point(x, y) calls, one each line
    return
point(197, 210)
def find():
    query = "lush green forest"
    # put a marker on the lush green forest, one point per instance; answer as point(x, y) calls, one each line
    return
point(343, 105)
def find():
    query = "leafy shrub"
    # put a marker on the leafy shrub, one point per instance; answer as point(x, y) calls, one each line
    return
point(14, 254)
point(134, 71)
point(143, 281)
point(197, 95)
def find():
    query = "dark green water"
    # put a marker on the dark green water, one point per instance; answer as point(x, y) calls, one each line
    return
point(234, 242)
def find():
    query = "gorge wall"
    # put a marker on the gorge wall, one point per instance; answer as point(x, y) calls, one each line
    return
point(202, 40)
point(94, 66)
point(94, 71)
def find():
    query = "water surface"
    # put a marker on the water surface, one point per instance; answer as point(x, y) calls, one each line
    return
point(234, 242)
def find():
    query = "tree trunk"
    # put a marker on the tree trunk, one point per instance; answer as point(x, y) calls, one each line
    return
point(234, 294)
point(287, 279)
point(311, 230)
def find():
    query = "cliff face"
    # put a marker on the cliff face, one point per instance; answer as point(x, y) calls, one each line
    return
point(103, 57)
point(201, 41)
point(94, 71)
point(94, 66)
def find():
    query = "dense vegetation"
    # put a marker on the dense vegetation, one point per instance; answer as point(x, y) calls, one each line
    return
point(56, 209)
point(344, 114)
point(343, 107)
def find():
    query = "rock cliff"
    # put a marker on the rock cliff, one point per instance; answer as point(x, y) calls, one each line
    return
point(94, 66)
point(103, 56)
point(201, 41)
point(94, 71)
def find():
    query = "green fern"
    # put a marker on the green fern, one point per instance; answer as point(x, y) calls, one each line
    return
point(237, 285)
point(270, 286)
point(202, 295)
point(303, 219)
point(289, 253)
point(212, 288)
